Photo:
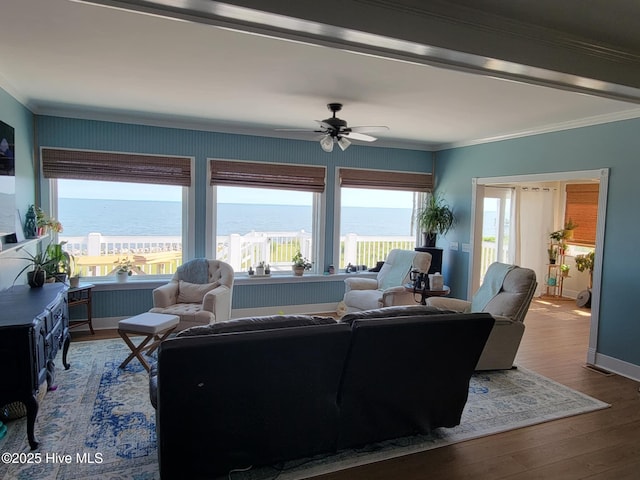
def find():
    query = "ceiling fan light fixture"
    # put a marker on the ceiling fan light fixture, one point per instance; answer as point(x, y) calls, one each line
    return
point(343, 143)
point(326, 143)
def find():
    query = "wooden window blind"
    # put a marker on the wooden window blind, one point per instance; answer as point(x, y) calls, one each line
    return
point(582, 208)
point(383, 179)
point(116, 167)
point(304, 178)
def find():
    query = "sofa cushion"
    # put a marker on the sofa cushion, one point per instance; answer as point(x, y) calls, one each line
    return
point(193, 292)
point(257, 323)
point(392, 312)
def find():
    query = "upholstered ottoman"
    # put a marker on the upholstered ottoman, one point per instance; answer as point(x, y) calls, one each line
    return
point(154, 326)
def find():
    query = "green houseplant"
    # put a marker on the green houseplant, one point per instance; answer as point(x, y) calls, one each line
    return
point(39, 263)
point(585, 262)
point(300, 264)
point(435, 218)
point(59, 265)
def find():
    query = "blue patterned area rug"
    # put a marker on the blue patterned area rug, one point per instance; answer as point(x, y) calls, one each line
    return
point(99, 422)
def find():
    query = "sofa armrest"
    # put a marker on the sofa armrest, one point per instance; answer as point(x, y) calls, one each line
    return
point(165, 295)
point(454, 304)
point(363, 283)
point(218, 301)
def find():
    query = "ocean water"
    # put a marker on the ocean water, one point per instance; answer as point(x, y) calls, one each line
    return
point(126, 217)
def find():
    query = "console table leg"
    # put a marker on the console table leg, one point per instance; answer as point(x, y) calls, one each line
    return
point(32, 411)
point(65, 349)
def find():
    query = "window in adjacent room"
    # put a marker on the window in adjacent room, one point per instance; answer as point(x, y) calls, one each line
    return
point(377, 213)
point(108, 216)
point(266, 213)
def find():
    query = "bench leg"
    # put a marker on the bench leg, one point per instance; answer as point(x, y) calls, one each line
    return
point(136, 350)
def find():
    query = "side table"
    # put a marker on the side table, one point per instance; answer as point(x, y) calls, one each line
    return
point(428, 293)
point(81, 295)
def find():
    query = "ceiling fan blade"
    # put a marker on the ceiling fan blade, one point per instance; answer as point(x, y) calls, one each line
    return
point(369, 129)
point(360, 136)
point(325, 125)
point(295, 130)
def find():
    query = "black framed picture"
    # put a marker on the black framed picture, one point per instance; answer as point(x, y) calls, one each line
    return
point(7, 150)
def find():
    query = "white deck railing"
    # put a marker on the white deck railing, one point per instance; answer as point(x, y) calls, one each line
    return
point(96, 254)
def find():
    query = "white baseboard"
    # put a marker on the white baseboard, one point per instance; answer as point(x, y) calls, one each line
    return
point(615, 365)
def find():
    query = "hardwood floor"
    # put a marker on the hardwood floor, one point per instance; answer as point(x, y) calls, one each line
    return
point(602, 445)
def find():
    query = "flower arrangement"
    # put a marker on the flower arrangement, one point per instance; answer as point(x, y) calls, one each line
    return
point(124, 265)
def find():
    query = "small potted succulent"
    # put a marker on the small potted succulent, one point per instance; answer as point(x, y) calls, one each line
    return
point(300, 264)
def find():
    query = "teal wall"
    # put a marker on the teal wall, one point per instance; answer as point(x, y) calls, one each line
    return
point(202, 145)
point(615, 146)
point(20, 118)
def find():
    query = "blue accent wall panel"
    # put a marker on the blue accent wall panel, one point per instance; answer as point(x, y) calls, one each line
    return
point(615, 146)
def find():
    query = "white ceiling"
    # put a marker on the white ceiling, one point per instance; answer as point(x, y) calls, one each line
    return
point(76, 59)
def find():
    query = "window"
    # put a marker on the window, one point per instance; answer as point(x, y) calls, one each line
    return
point(266, 212)
point(110, 211)
point(377, 213)
point(582, 209)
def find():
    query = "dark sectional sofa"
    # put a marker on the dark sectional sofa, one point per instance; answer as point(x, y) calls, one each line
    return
point(259, 391)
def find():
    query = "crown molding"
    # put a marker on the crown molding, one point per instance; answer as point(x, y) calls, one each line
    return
point(551, 128)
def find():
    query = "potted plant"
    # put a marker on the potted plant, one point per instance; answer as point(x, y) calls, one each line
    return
point(585, 262)
point(564, 268)
point(435, 218)
point(124, 269)
point(300, 264)
point(553, 254)
point(39, 263)
point(59, 266)
point(569, 227)
point(44, 222)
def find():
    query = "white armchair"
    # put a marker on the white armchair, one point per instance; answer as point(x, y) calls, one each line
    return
point(387, 289)
point(199, 293)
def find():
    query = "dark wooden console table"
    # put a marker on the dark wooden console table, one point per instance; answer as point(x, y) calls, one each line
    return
point(34, 325)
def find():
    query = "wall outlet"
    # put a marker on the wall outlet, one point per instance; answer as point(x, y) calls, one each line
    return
point(453, 245)
point(466, 247)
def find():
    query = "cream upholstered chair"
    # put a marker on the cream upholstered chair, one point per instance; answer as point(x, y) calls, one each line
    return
point(199, 293)
point(506, 294)
point(387, 289)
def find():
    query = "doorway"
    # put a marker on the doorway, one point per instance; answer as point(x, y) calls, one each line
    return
point(526, 232)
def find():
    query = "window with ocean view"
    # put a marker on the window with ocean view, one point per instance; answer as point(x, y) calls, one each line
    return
point(374, 221)
point(105, 221)
point(268, 225)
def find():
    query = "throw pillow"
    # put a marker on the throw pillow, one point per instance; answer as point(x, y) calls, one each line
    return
point(193, 292)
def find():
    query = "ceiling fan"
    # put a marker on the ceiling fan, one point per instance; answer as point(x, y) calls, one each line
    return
point(335, 130)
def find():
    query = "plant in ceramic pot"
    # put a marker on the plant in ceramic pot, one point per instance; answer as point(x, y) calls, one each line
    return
point(300, 264)
point(435, 218)
point(38, 262)
point(59, 266)
point(564, 268)
point(124, 269)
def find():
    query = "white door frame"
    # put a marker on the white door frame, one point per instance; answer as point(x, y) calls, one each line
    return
point(477, 195)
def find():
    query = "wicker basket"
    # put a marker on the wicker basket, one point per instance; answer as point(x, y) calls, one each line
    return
point(15, 410)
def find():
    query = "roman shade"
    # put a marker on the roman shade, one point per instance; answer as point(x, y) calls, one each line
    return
point(582, 208)
point(306, 178)
point(384, 179)
point(116, 167)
